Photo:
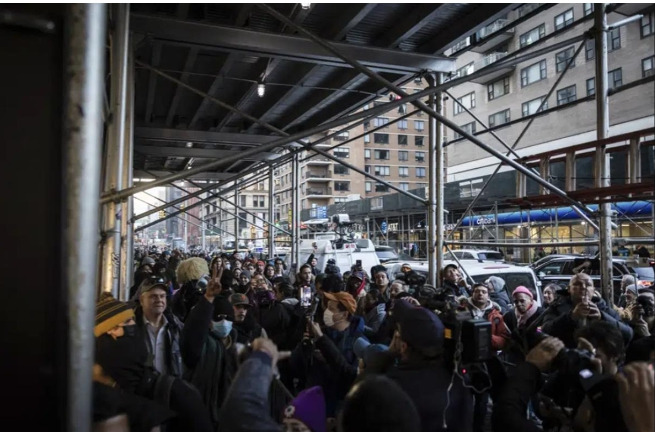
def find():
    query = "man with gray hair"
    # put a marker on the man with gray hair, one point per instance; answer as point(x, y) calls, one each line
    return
point(397, 286)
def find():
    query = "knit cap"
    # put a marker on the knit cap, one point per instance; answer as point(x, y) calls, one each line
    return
point(110, 313)
point(309, 408)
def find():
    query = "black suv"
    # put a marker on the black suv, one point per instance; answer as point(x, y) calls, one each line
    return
point(560, 269)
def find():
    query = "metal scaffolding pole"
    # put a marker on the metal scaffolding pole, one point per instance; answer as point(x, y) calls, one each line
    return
point(295, 216)
point(84, 58)
point(127, 206)
point(109, 275)
point(520, 245)
point(435, 201)
point(236, 223)
point(271, 213)
point(602, 171)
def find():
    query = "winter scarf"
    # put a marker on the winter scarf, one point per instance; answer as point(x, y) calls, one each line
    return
point(522, 319)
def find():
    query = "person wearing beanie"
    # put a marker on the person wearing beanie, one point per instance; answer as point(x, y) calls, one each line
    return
point(189, 273)
point(522, 322)
point(246, 405)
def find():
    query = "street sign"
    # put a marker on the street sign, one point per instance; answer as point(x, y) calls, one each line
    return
point(383, 227)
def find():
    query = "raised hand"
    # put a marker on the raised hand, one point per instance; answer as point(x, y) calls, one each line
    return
point(214, 286)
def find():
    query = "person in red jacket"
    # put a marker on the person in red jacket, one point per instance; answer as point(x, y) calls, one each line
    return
point(481, 307)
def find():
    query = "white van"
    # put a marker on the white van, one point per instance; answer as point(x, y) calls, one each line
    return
point(345, 257)
point(513, 275)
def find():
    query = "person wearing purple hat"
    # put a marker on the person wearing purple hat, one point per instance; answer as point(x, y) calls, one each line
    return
point(522, 322)
point(246, 404)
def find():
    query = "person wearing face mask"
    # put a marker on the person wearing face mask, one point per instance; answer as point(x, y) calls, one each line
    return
point(209, 346)
point(576, 310)
point(335, 345)
point(121, 363)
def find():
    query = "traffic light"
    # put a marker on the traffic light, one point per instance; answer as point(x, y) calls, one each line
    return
point(162, 214)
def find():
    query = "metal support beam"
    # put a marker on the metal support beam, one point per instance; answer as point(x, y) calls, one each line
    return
point(236, 223)
point(127, 206)
point(229, 39)
point(271, 213)
point(435, 189)
point(523, 245)
point(602, 160)
point(634, 160)
point(295, 213)
point(201, 137)
point(570, 172)
point(84, 57)
point(109, 276)
point(200, 153)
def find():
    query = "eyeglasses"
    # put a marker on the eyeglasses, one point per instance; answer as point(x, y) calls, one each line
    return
point(154, 280)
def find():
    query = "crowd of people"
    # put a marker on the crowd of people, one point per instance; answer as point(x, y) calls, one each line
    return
point(230, 344)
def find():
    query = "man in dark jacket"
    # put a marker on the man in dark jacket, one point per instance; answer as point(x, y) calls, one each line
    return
point(453, 282)
point(159, 328)
point(441, 400)
point(568, 314)
point(522, 322)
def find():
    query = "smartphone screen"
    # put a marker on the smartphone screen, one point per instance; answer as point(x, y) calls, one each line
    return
point(306, 296)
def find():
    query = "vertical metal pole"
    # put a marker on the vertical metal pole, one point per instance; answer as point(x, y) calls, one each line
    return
point(435, 205)
point(115, 147)
point(82, 140)
point(295, 213)
point(236, 221)
point(271, 213)
point(127, 206)
point(602, 160)
point(204, 239)
point(186, 228)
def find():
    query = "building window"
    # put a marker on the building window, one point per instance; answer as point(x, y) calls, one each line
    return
point(647, 27)
point(531, 107)
point(339, 199)
point(564, 19)
point(566, 95)
point(382, 154)
point(379, 138)
point(381, 171)
point(380, 121)
point(418, 140)
point(242, 199)
point(464, 70)
point(379, 187)
point(402, 124)
point(614, 39)
point(614, 78)
point(467, 100)
point(340, 169)
point(562, 58)
point(419, 156)
point(647, 66)
point(367, 169)
point(403, 171)
point(588, 8)
point(367, 153)
point(499, 118)
point(590, 49)
point(403, 155)
point(342, 186)
point(402, 139)
point(419, 125)
point(591, 86)
point(243, 220)
point(498, 88)
point(533, 73)
point(367, 138)
point(367, 124)
point(403, 186)
point(367, 186)
point(342, 152)
point(420, 172)
point(468, 127)
point(342, 136)
point(532, 36)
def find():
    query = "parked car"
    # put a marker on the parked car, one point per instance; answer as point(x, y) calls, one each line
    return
point(386, 253)
point(475, 254)
point(513, 275)
point(646, 276)
point(560, 270)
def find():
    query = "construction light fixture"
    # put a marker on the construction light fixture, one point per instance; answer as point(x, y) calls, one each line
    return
point(261, 89)
point(305, 5)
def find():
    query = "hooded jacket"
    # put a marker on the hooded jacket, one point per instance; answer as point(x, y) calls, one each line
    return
point(499, 294)
point(491, 312)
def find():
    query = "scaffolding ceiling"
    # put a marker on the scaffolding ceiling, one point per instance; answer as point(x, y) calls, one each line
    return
point(226, 50)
